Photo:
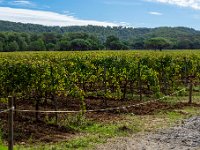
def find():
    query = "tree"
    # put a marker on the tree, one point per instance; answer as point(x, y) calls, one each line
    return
point(157, 43)
point(23, 46)
point(184, 44)
point(50, 38)
point(3, 37)
point(1, 47)
point(110, 40)
point(37, 45)
point(137, 43)
point(95, 44)
point(64, 45)
point(51, 47)
point(117, 45)
point(26, 37)
point(196, 43)
point(77, 35)
point(13, 46)
point(113, 43)
point(36, 37)
point(80, 44)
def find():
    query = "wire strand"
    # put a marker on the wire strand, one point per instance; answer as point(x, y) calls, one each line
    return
point(100, 110)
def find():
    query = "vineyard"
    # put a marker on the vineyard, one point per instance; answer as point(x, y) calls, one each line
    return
point(80, 82)
point(106, 75)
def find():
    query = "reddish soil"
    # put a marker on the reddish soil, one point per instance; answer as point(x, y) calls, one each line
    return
point(28, 130)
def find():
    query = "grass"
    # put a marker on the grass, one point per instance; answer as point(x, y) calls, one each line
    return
point(92, 133)
point(192, 110)
point(182, 98)
point(3, 147)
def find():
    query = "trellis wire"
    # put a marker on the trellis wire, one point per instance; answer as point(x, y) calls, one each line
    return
point(6, 110)
point(101, 110)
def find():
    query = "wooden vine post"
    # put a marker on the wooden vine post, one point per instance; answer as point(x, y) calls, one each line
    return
point(10, 123)
point(190, 93)
point(190, 88)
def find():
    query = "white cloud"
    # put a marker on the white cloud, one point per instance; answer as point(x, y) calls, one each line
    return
point(21, 3)
point(195, 4)
point(45, 18)
point(155, 13)
point(68, 13)
point(125, 24)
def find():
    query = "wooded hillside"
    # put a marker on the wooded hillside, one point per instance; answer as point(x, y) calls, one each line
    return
point(23, 37)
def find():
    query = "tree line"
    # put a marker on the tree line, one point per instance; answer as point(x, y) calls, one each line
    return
point(33, 37)
point(13, 41)
point(37, 37)
point(80, 41)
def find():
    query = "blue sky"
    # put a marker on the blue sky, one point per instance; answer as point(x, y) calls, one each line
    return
point(134, 13)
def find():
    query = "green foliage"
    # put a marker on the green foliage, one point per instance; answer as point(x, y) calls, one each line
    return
point(80, 45)
point(64, 45)
point(3, 147)
point(1, 139)
point(97, 133)
point(80, 74)
point(113, 43)
point(157, 43)
point(36, 37)
point(13, 46)
point(1, 46)
point(37, 45)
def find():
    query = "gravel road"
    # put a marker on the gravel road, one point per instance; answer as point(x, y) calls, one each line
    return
point(183, 137)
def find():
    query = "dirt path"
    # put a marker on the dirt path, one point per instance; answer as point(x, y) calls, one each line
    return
point(182, 137)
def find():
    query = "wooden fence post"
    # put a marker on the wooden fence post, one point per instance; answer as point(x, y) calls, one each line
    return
point(10, 123)
point(190, 93)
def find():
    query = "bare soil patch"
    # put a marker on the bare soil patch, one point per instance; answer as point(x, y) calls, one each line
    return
point(28, 130)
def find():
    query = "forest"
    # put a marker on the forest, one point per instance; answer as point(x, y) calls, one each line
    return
point(31, 37)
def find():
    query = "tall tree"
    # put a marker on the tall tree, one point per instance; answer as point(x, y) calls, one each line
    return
point(51, 47)
point(13, 46)
point(37, 45)
point(1, 47)
point(157, 43)
point(64, 45)
point(113, 43)
point(80, 44)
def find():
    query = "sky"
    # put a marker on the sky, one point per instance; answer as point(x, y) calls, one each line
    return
point(129, 13)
